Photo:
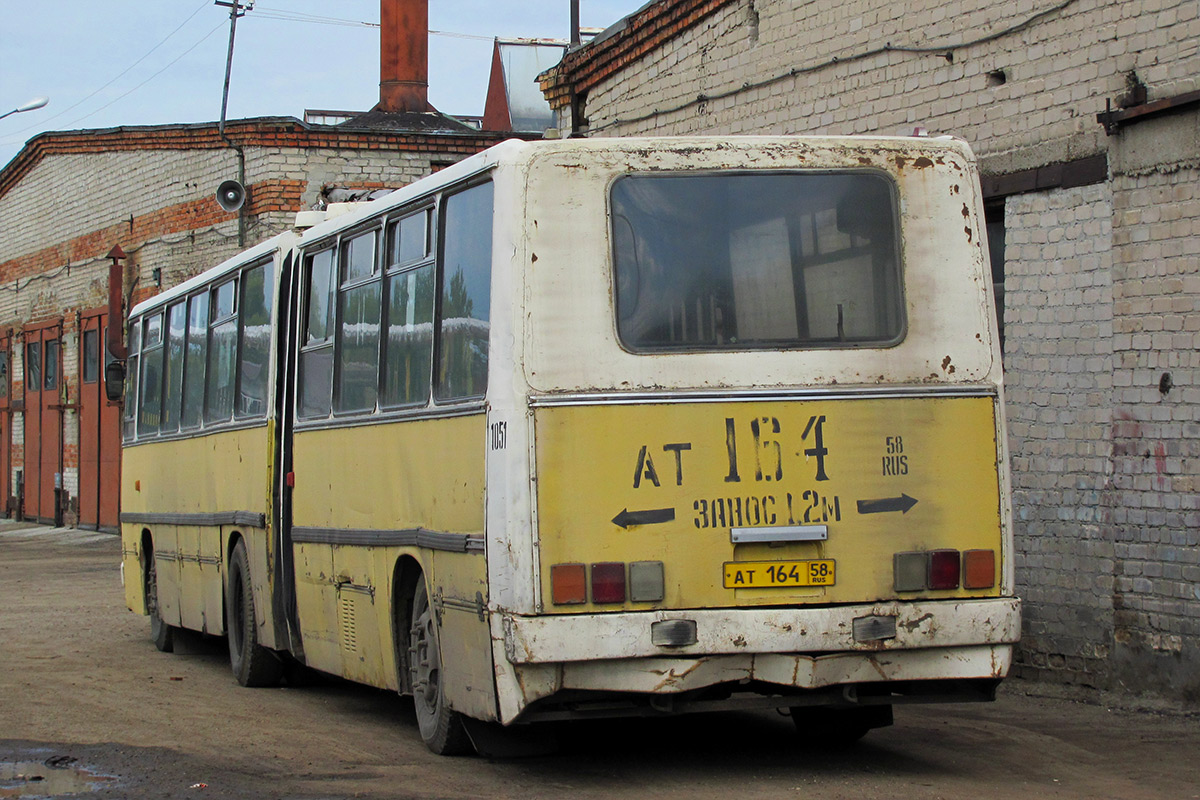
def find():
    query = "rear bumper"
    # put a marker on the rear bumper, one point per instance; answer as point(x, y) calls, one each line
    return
point(920, 625)
point(793, 650)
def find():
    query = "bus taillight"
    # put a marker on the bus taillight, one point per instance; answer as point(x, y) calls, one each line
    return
point(943, 569)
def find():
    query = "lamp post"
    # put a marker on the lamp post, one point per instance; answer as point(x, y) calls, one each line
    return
point(36, 102)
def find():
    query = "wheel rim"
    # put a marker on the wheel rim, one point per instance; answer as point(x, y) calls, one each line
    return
point(426, 661)
point(151, 586)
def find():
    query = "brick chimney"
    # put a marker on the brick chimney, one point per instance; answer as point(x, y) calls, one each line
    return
point(404, 55)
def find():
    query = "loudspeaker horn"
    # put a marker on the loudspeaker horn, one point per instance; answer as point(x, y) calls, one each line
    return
point(231, 195)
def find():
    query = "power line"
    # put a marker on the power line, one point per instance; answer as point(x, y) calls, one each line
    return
point(169, 64)
point(117, 77)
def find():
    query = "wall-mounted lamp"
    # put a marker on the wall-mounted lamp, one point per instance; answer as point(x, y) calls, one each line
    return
point(156, 276)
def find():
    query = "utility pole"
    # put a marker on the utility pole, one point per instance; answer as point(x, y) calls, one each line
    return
point(235, 10)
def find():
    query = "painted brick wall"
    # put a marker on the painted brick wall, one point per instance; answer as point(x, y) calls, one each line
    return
point(69, 208)
point(785, 66)
point(1102, 282)
point(1155, 497)
point(1059, 383)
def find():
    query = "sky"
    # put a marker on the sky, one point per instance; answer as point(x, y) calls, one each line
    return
point(107, 63)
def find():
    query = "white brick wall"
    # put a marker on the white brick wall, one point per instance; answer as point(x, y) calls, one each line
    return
point(65, 199)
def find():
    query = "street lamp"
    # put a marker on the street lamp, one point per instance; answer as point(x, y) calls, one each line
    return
point(36, 102)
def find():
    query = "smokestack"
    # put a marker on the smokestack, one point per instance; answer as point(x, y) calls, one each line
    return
point(404, 55)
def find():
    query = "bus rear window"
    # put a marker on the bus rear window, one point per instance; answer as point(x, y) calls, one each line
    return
point(756, 261)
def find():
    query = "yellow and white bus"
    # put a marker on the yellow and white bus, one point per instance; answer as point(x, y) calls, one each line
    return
point(595, 428)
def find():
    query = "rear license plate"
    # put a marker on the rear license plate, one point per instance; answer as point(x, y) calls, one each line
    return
point(778, 574)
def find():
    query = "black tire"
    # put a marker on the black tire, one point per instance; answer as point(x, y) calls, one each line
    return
point(441, 727)
point(837, 728)
point(162, 633)
point(253, 664)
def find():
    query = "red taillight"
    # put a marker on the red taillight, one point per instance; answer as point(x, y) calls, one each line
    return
point(944, 569)
point(568, 584)
point(608, 583)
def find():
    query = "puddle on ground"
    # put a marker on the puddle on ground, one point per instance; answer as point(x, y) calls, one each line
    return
point(54, 777)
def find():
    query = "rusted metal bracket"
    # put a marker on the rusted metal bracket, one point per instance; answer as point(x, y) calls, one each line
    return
point(1113, 120)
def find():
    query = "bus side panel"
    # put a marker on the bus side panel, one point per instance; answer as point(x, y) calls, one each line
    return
point(167, 568)
point(374, 483)
point(175, 477)
point(466, 642)
point(316, 605)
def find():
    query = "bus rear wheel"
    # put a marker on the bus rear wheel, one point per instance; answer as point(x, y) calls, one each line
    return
point(162, 633)
point(441, 727)
point(253, 664)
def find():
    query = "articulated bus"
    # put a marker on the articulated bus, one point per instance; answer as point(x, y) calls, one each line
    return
point(596, 427)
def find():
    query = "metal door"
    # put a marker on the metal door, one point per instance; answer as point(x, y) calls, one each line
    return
point(7, 508)
point(99, 431)
point(43, 423)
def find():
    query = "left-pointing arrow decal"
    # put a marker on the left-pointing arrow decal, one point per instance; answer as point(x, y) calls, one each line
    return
point(650, 516)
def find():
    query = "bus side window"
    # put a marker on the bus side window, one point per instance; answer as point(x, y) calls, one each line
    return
point(358, 317)
point(254, 340)
point(172, 393)
point(195, 360)
point(150, 392)
point(316, 355)
point(222, 351)
point(464, 309)
point(408, 346)
point(131, 378)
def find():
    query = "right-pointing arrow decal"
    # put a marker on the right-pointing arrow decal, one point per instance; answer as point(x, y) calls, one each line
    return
point(902, 504)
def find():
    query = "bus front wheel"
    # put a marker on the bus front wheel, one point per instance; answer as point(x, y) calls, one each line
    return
point(441, 727)
point(253, 664)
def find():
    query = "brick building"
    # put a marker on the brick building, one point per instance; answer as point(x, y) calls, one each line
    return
point(1084, 114)
point(68, 197)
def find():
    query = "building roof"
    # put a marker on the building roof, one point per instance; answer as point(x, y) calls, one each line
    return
point(514, 100)
point(373, 131)
point(621, 44)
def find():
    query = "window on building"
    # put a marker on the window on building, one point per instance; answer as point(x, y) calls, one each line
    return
point(993, 212)
point(91, 355)
point(33, 366)
point(50, 368)
point(465, 298)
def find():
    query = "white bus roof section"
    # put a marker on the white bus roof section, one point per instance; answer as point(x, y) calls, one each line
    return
point(280, 241)
point(564, 249)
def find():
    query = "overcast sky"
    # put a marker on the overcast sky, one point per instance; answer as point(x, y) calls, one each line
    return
point(105, 63)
